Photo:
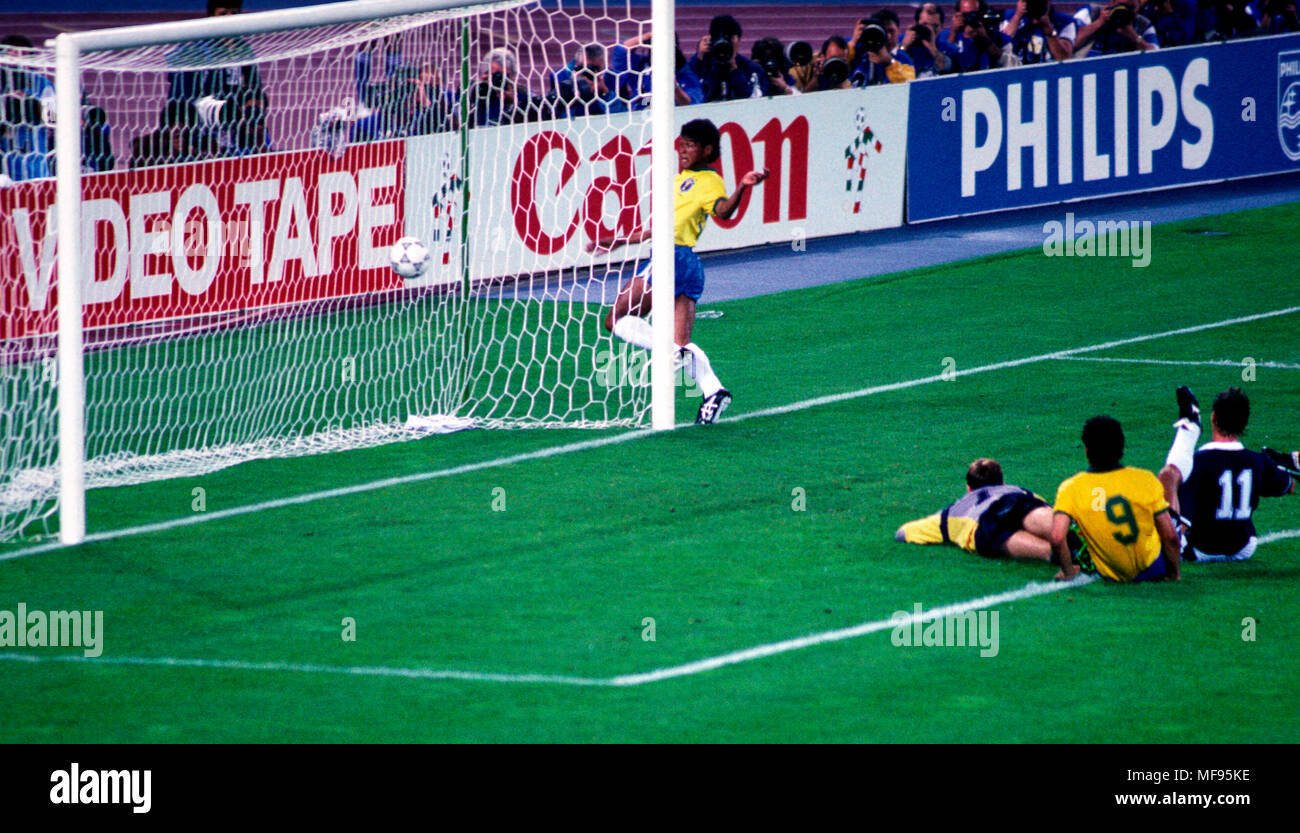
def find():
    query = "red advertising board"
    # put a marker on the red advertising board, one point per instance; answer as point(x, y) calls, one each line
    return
point(208, 237)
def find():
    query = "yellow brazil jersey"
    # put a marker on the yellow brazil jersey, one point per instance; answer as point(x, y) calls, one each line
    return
point(694, 195)
point(1116, 512)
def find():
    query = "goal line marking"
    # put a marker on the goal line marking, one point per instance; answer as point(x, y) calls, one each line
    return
point(630, 436)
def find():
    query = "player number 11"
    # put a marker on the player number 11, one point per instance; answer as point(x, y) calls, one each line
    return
point(1224, 512)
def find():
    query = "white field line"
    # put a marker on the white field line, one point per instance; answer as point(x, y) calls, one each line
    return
point(585, 445)
point(1206, 363)
point(624, 680)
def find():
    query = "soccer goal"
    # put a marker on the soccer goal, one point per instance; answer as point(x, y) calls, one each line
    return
point(196, 259)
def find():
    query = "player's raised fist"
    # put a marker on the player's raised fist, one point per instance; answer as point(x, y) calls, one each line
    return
point(753, 177)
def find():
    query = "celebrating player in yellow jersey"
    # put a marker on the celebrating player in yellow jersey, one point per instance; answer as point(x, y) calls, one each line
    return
point(1121, 512)
point(698, 193)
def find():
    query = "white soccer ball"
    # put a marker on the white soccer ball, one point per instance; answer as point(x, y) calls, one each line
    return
point(409, 257)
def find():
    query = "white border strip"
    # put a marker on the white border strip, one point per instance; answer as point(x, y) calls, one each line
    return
point(616, 439)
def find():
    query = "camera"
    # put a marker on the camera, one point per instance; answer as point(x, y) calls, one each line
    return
point(923, 32)
point(769, 54)
point(799, 53)
point(835, 71)
point(990, 19)
point(722, 50)
point(873, 37)
point(1121, 16)
point(1035, 9)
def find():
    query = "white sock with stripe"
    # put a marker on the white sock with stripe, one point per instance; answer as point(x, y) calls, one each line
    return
point(701, 370)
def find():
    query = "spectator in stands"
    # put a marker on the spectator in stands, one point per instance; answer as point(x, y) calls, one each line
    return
point(877, 64)
point(383, 90)
point(724, 73)
point(227, 102)
point(977, 38)
point(1219, 20)
point(26, 137)
point(930, 53)
point(1039, 33)
point(433, 105)
point(630, 63)
point(174, 140)
point(1113, 28)
point(770, 55)
point(1175, 21)
point(829, 70)
point(1279, 16)
point(96, 140)
point(584, 87)
point(498, 97)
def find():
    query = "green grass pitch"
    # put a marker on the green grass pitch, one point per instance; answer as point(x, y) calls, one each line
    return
point(696, 530)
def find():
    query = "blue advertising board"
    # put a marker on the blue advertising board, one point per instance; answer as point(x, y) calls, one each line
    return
point(1042, 134)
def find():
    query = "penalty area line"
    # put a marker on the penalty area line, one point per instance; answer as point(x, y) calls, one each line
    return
point(622, 681)
point(585, 445)
point(701, 666)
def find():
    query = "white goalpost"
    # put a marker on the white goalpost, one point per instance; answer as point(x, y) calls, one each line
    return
point(213, 213)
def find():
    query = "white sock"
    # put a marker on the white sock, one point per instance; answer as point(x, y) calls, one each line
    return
point(635, 330)
point(701, 371)
point(1180, 453)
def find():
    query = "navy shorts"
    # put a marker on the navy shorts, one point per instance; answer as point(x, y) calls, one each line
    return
point(689, 272)
point(1004, 518)
point(1156, 571)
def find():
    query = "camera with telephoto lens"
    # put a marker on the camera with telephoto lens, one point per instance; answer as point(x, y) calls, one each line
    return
point(769, 54)
point(799, 53)
point(990, 19)
point(1121, 16)
point(835, 71)
point(722, 50)
point(873, 37)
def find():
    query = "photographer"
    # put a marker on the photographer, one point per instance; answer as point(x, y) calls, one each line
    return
point(1279, 16)
point(978, 39)
point(630, 63)
point(829, 69)
point(227, 103)
point(498, 97)
point(770, 55)
point(1112, 29)
point(1220, 20)
point(876, 64)
point(1175, 21)
point(929, 52)
point(583, 87)
point(26, 140)
point(1039, 33)
point(724, 73)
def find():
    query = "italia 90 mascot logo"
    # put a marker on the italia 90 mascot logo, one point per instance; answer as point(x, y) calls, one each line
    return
point(1288, 103)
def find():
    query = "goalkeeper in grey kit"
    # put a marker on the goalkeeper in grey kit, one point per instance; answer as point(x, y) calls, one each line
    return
point(698, 192)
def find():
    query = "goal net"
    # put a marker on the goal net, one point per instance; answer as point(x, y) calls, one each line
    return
point(240, 193)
